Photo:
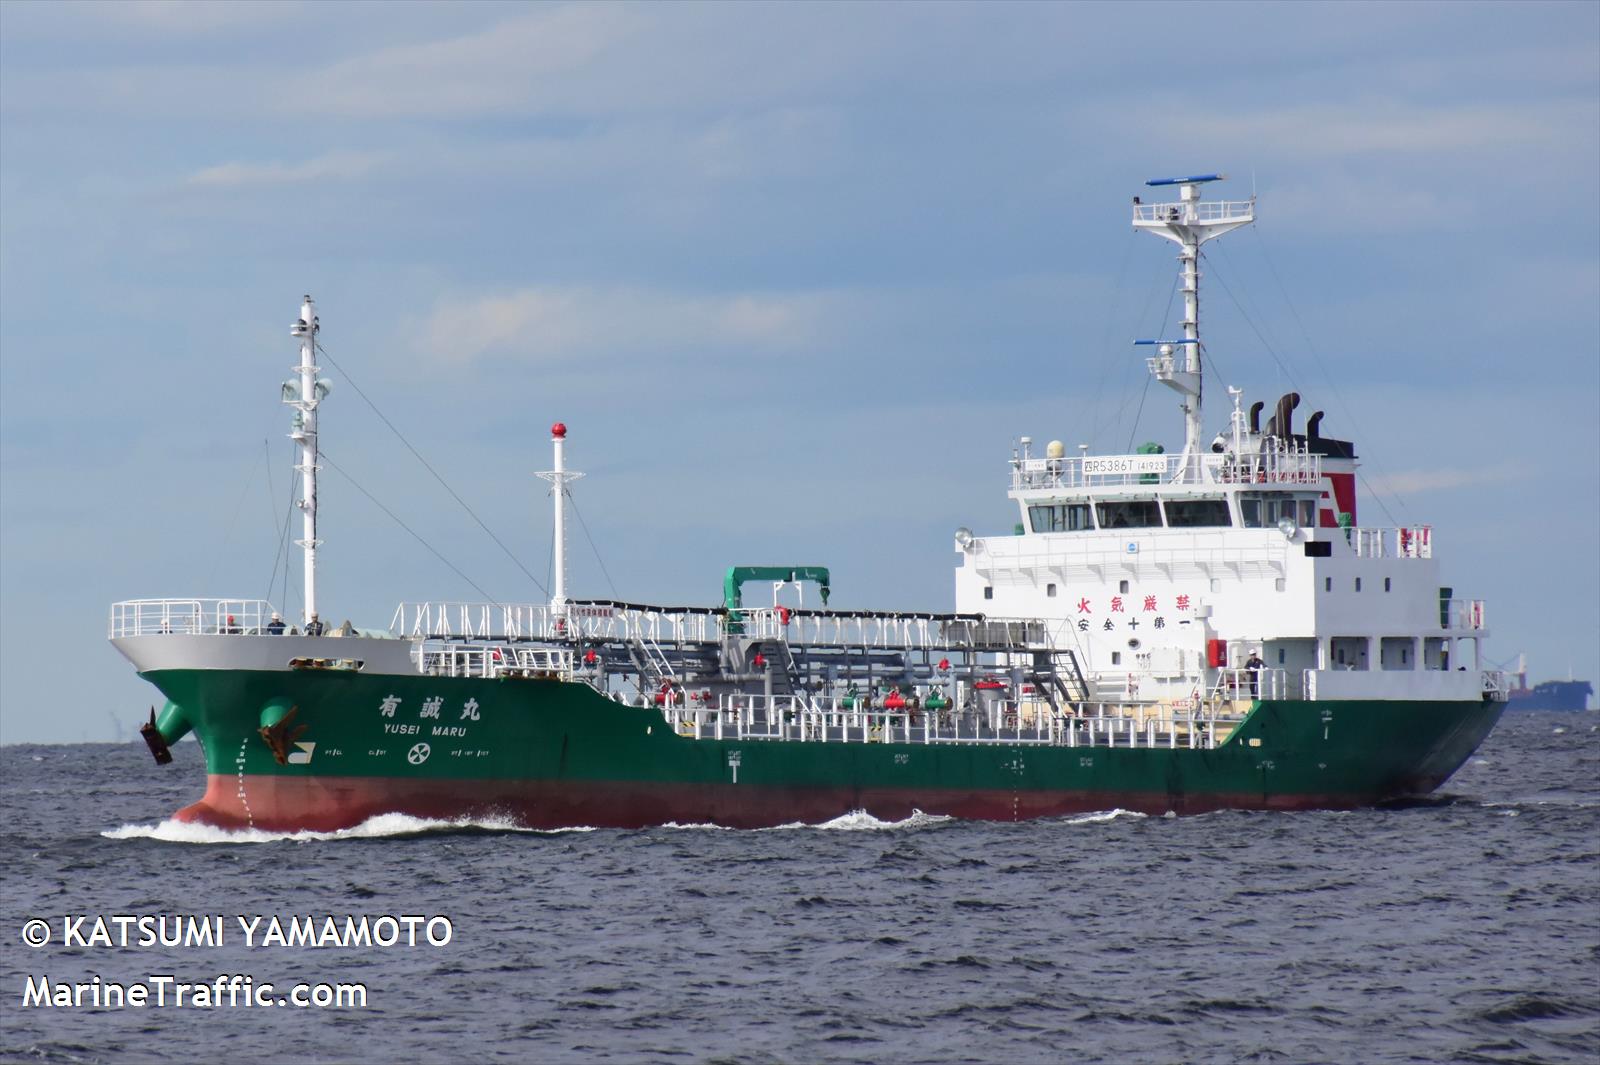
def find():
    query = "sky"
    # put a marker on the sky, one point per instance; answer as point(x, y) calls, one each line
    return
point(795, 276)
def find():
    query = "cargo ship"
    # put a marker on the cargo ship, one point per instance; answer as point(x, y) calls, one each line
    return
point(1180, 632)
point(1568, 695)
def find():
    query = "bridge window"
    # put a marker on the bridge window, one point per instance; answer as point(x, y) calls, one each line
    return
point(1263, 511)
point(1192, 513)
point(1129, 514)
point(1250, 512)
point(1060, 517)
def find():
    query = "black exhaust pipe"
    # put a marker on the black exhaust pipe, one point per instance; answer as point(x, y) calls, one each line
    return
point(1283, 421)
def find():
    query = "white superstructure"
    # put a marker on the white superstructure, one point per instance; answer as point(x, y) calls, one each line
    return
point(1167, 573)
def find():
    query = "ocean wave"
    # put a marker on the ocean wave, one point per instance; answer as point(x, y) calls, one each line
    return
point(1572, 799)
point(382, 826)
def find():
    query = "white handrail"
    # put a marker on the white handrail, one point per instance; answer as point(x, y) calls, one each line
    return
point(197, 617)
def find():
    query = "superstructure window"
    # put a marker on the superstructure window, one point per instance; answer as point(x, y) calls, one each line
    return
point(1263, 511)
point(1060, 517)
point(1129, 514)
point(1192, 513)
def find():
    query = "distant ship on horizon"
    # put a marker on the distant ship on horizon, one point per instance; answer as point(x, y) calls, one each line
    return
point(1569, 695)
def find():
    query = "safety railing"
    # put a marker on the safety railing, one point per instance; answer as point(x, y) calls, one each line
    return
point(526, 621)
point(1195, 211)
point(1245, 683)
point(658, 626)
point(893, 631)
point(443, 658)
point(1280, 462)
point(1465, 614)
point(798, 719)
point(194, 617)
point(484, 621)
point(1412, 541)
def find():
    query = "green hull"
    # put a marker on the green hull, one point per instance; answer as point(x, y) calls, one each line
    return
point(549, 754)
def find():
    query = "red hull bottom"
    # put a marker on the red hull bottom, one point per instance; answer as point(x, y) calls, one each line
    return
point(327, 804)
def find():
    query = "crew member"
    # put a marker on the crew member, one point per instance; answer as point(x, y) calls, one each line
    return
point(1254, 665)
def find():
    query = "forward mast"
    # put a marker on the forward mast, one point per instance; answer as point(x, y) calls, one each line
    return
point(305, 394)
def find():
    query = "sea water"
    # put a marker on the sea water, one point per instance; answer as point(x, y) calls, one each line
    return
point(1461, 929)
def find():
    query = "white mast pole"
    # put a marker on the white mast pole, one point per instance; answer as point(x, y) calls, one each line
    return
point(559, 478)
point(558, 443)
point(1189, 224)
point(304, 396)
point(1189, 258)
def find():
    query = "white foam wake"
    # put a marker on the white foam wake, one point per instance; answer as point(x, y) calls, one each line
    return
point(854, 821)
point(379, 827)
point(861, 821)
point(1102, 816)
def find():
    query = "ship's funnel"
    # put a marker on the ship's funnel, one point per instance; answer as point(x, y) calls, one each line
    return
point(1282, 423)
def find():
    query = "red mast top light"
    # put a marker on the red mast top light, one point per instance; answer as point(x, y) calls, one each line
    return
point(558, 430)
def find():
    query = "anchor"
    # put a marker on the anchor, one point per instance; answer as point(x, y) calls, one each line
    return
point(154, 741)
point(280, 737)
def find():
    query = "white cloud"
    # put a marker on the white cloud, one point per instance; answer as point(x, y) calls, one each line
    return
point(1379, 126)
point(338, 166)
point(1361, 128)
point(556, 322)
point(185, 17)
point(1421, 482)
point(517, 65)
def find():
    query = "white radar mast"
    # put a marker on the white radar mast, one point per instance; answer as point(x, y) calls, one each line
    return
point(305, 393)
point(1188, 223)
